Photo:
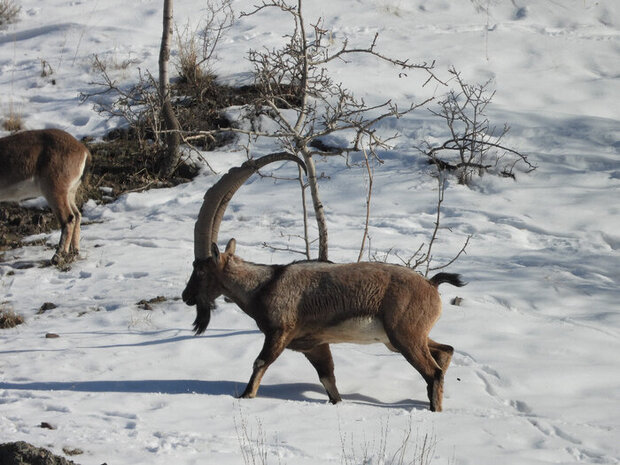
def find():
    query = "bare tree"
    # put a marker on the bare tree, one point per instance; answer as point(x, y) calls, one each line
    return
point(294, 80)
point(474, 145)
point(170, 157)
point(296, 92)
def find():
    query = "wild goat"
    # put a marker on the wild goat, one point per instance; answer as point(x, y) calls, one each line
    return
point(47, 162)
point(305, 306)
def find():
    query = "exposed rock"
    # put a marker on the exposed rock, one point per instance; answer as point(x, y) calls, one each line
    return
point(22, 453)
point(45, 307)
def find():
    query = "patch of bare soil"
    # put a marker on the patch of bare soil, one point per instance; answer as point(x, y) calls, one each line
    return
point(18, 222)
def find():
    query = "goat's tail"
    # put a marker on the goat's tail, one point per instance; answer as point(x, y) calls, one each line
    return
point(450, 278)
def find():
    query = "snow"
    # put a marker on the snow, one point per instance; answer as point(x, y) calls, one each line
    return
point(535, 378)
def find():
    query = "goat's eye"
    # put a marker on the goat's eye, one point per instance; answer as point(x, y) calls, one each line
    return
point(201, 268)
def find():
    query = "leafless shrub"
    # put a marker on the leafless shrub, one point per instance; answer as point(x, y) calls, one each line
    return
point(138, 105)
point(46, 69)
point(252, 442)
point(474, 146)
point(9, 11)
point(412, 449)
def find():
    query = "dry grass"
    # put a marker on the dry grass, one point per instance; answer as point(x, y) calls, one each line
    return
point(13, 121)
point(8, 318)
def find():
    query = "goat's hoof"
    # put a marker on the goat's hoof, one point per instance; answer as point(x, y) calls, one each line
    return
point(62, 260)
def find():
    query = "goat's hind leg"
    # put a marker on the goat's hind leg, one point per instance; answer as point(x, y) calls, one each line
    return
point(321, 359)
point(442, 353)
point(74, 246)
point(421, 359)
point(59, 203)
point(419, 356)
point(273, 346)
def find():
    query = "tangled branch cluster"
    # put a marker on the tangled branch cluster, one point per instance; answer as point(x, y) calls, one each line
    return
point(475, 146)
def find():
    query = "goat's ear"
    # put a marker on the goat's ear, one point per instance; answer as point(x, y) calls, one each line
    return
point(230, 247)
point(215, 252)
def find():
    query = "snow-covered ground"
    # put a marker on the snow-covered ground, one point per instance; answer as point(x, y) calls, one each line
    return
point(535, 378)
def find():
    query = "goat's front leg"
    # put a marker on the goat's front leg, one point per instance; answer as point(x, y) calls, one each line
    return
point(321, 359)
point(274, 345)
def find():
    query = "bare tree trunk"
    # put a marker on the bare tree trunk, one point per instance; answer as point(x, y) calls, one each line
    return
point(171, 155)
point(319, 212)
point(369, 170)
point(303, 186)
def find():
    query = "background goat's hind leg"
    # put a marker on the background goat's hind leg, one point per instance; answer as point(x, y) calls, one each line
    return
point(273, 346)
point(59, 203)
point(321, 359)
point(75, 237)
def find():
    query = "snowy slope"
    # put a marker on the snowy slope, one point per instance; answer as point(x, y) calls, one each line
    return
point(535, 376)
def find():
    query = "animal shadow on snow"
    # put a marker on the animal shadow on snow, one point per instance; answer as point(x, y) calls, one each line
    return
point(25, 264)
point(302, 392)
point(284, 391)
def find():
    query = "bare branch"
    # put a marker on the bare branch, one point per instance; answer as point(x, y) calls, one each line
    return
point(474, 144)
point(455, 258)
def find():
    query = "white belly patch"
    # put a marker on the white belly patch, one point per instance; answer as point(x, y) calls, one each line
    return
point(357, 331)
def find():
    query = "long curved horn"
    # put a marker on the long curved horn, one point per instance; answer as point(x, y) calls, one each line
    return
point(217, 197)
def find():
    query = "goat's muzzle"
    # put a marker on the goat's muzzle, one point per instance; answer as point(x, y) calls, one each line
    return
point(190, 292)
point(197, 293)
point(192, 289)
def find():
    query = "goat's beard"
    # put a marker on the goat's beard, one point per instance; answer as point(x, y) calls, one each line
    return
point(203, 315)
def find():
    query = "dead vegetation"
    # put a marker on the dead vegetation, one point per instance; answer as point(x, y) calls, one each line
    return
point(8, 318)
